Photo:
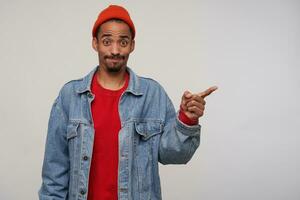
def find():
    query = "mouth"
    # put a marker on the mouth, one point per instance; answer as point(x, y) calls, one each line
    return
point(114, 59)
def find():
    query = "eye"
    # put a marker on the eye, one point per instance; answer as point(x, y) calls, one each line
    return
point(123, 43)
point(106, 42)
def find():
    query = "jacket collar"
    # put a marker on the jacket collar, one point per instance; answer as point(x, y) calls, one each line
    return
point(133, 85)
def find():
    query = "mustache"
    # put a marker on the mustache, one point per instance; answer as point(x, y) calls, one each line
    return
point(117, 56)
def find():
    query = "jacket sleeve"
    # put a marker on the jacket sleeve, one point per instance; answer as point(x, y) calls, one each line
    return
point(178, 141)
point(55, 170)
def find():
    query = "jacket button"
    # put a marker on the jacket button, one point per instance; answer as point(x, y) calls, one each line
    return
point(82, 192)
point(85, 157)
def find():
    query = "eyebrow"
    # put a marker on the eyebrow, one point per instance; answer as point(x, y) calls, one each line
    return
point(124, 36)
point(106, 35)
point(109, 35)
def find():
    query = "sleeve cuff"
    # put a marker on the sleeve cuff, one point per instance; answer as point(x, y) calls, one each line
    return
point(186, 120)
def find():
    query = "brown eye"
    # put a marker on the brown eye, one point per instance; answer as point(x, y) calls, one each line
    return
point(124, 43)
point(106, 42)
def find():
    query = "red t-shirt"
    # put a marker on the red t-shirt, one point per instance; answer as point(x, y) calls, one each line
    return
point(103, 179)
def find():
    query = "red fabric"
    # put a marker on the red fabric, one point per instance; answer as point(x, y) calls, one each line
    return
point(103, 178)
point(113, 12)
point(185, 119)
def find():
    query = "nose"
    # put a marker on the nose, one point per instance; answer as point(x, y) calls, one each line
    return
point(115, 50)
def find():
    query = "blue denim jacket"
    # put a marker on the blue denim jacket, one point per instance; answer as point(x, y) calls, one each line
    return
point(150, 133)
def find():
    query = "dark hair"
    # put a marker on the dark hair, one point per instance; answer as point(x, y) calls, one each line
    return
point(113, 20)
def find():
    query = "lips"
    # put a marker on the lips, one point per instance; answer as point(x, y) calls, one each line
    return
point(114, 59)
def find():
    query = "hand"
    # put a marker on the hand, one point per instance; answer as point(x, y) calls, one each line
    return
point(193, 105)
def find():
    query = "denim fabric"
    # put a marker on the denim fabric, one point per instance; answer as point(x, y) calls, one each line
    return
point(150, 133)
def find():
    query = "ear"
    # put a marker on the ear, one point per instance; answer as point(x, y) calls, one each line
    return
point(132, 46)
point(95, 44)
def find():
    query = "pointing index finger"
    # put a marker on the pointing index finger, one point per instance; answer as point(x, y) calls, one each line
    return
point(208, 91)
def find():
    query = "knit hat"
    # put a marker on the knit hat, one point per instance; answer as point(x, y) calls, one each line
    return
point(113, 12)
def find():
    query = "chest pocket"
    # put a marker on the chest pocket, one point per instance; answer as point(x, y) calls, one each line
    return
point(74, 138)
point(72, 130)
point(148, 129)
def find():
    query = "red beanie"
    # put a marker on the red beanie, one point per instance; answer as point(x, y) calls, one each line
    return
point(113, 12)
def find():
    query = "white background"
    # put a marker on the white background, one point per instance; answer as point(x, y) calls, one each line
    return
point(250, 49)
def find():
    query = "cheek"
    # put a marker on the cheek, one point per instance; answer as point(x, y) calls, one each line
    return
point(101, 56)
point(102, 53)
point(102, 50)
point(127, 51)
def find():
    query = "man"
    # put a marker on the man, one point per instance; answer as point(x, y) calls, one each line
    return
point(108, 131)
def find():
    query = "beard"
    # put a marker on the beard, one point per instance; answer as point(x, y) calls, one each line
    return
point(115, 67)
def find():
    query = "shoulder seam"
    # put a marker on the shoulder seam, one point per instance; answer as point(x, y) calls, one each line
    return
point(73, 80)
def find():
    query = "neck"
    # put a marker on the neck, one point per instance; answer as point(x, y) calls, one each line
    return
point(111, 80)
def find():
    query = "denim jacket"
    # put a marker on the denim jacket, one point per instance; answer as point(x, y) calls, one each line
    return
point(150, 133)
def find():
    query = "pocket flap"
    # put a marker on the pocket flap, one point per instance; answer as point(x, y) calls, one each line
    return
point(72, 130)
point(148, 129)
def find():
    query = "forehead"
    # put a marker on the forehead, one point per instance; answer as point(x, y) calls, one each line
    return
point(115, 28)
